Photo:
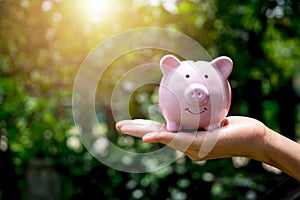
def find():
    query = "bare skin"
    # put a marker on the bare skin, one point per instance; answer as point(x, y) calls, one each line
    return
point(240, 136)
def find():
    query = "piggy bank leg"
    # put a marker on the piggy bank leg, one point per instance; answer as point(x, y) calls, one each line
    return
point(216, 125)
point(212, 127)
point(209, 140)
point(172, 126)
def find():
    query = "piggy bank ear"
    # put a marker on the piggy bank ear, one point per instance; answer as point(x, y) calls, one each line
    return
point(224, 65)
point(168, 62)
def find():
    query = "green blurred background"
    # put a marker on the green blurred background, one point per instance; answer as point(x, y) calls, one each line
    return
point(42, 45)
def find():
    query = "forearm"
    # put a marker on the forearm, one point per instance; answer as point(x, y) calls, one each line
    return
point(280, 152)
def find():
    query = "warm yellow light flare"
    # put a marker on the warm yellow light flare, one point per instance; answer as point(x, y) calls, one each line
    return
point(95, 9)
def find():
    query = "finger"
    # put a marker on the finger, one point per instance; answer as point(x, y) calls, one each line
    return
point(236, 119)
point(140, 122)
point(122, 123)
point(226, 122)
point(232, 119)
point(180, 140)
point(139, 127)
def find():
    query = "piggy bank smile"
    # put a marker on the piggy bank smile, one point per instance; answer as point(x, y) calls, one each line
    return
point(188, 109)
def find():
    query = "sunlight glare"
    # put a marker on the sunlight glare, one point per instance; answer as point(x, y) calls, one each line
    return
point(95, 9)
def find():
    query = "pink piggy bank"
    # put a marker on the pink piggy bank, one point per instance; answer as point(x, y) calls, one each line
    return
point(194, 95)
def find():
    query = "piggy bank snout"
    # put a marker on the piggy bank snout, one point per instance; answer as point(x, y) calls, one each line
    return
point(196, 94)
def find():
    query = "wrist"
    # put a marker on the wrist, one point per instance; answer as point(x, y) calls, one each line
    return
point(280, 152)
point(260, 139)
point(264, 146)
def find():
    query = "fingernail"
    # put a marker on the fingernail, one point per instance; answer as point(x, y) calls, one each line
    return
point(118, 125)
point(122, 122)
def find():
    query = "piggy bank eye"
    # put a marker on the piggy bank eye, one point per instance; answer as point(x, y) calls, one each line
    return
point(206, 76)
point(187, 76)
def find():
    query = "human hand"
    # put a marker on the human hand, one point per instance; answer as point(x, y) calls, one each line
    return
point(240, 136)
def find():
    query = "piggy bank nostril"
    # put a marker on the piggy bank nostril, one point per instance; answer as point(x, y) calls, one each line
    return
point(198, 93)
